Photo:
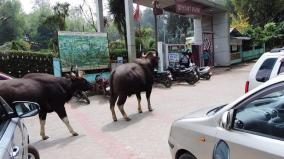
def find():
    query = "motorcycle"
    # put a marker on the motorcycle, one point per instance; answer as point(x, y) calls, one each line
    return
point(203, 72)
point(182, 73)
point(164, 78)
point(102, 85)
point(81, 95)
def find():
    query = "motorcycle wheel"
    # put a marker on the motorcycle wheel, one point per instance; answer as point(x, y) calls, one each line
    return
point(191, 82)
point(167, 83)
point(208, 77)
point(85, 97)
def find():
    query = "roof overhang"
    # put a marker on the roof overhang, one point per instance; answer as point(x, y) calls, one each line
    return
point(208, 7)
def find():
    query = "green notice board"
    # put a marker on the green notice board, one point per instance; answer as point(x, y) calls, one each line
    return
point(88, 51)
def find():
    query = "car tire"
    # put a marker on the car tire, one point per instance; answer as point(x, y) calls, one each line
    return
point(32, 153)
point(186, 156)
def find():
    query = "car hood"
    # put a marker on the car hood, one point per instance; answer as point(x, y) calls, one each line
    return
point(203, 112)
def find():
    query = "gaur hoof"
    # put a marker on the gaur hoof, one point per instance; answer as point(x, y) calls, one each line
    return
point(140, 111)
point(115, 120)
point(127, 119)
point(150, 110)
point(75, 134)
point(45, 137)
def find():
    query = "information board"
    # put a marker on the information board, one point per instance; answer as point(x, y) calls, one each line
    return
point(88, 51)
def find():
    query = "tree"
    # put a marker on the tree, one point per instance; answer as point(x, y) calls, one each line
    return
point(117, 10)
point(259, 12)
point(56, 22)
point(12, 23)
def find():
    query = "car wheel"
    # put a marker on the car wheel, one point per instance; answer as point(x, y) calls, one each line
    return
point(32, 153)
point(186, 156)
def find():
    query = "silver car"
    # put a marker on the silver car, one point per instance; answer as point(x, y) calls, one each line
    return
point(251, 127)
point(14, 139)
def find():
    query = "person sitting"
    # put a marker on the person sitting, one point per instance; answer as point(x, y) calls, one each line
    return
point(185, 59)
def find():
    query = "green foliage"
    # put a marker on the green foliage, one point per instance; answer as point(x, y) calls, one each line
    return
point(11, 21)
point(259, 12)
point(117, 10)
point(19, 63)
point(118, 52)
point(144, 38)
point(56, 22)
point(118, 44)
point(20, 45)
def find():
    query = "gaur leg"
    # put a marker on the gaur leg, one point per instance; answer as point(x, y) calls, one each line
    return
point(138, 95)
point(148, 94)
point(63, 116)
point(42, 119)
point(112, 101)
point(120, 104)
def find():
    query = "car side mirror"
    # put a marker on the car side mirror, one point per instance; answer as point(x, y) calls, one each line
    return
point(227, 119)
point(26, 109)
point(261, 79)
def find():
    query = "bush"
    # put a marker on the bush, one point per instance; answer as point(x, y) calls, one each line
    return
point(19, 63)
point(20, 45)
point(118, 44)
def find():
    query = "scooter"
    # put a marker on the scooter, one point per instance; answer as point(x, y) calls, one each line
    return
point(205, 72)
point(164, 78)
point(182, 73)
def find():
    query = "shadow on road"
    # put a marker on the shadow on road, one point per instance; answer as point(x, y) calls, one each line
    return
point(56, 142)
point(122, 124)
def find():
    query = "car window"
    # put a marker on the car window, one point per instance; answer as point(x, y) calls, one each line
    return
point(264, 115)
point(3, 117)
point(281, 68)
point(264, 72)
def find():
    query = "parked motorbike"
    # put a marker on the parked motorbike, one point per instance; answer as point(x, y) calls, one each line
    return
point(81, 95)
point(202, 72)
point(205, 72)
point(182, 73)
point(164, 78)
point(102, 85)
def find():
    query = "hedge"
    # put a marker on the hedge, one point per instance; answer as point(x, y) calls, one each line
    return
point(19, 63)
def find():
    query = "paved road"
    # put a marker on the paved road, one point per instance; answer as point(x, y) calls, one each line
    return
point(145, 136)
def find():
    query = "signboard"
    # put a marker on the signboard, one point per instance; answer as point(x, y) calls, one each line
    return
point(88, 51)
point(188, 8)
point(173, 57)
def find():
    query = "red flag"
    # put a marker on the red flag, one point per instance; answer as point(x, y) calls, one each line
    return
point(137, 14)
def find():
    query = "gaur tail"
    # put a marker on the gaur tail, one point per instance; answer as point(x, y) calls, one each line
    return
point(111, 83)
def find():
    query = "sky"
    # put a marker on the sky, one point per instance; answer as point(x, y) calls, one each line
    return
point(27, 5)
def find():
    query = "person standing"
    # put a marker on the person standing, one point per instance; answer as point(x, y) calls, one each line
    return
point(206, 57)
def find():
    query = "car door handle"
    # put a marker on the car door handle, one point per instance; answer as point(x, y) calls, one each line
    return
point(16, 151)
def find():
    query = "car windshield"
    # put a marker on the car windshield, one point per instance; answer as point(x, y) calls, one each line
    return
point(215, 110)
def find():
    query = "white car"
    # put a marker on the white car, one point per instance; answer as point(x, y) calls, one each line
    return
point(269, 65)
point(251, 127)
point(14, 139)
